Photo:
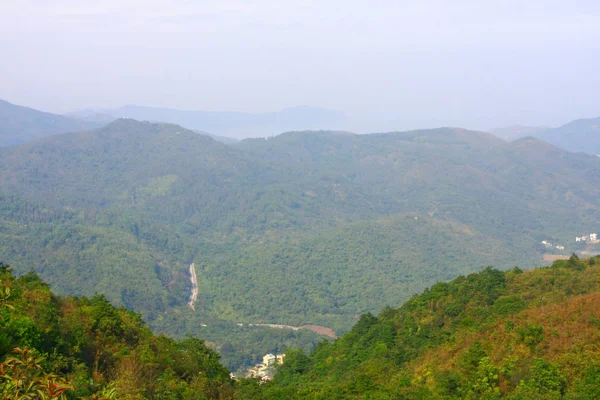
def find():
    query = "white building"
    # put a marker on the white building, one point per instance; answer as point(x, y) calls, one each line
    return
point(269, 360)
point(593, 237)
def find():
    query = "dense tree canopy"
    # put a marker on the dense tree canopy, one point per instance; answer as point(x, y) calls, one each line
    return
point(492, 335)
point(515, 335)
point(303, 228)
point(79, 347)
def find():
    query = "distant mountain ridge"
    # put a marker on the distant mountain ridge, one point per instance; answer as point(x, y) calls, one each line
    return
point(92, 115)
point(237, 125)
point(517, 131)
point(579, 136)
point(582, 135)
point(20, 124)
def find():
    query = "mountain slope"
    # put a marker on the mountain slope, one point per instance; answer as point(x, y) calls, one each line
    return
point(86, 348)
point(82, 258)
point(157, 181)
point(490, 335)
point(108, 210)
point(22, 124)
point(346, 271)
point(517, 335)
point(114, 164)
point(128, 207)
point(448, 173)
point(582, 135)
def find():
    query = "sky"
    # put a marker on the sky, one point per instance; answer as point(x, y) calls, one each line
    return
point(389, 65)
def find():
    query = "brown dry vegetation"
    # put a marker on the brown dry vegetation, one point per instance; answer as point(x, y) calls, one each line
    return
point(321, 330)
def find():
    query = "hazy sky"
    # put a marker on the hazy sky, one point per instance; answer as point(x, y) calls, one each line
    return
point(387, 64)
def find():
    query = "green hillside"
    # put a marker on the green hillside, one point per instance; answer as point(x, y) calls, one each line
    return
point(331, 278)
point(282, 230)
point(19, 124)
point(59, 348)
point(80, 258)
point(490, 335)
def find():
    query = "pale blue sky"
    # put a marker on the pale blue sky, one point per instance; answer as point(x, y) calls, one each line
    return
point(387, 64)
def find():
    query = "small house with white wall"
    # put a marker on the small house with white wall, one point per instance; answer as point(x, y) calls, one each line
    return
point(269, 359)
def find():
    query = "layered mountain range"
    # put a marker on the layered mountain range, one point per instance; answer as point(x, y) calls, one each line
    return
point(305, 228)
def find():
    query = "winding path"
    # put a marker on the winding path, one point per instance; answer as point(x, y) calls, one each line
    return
point(194, 280)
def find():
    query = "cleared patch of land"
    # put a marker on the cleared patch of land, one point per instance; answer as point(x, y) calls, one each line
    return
point(550, 258)
point(321, 330)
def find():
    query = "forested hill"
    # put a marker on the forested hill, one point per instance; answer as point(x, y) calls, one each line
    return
point(59, 348)
point(124, 209)
point(22, 124)
point(126, 163)
point(490, 335)
point(475, 178)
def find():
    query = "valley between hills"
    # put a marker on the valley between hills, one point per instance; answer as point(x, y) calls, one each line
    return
point(263, 245)
point(299, 200)
point(306, 228)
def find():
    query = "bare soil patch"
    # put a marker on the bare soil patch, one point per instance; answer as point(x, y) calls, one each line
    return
point(321, 330)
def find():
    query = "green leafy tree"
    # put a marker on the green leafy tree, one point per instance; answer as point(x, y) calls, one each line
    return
point(22, 378)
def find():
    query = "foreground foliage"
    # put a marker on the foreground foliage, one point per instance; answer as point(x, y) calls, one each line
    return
point(62, 348)
point(22, 377)
point(490, 335)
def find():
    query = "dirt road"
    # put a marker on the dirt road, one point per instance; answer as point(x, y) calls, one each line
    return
point(194, 280)
point(321, 330)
